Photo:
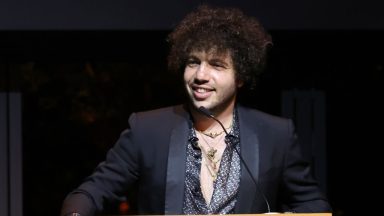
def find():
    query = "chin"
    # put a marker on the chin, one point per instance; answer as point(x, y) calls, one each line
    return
point(198, 104)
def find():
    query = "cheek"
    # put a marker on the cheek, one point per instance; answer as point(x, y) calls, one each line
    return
point(227, 81)
point(187, 76)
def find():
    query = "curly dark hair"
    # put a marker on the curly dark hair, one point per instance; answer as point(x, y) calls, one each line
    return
point(221, 30)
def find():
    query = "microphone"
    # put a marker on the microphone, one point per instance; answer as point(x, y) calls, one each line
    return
point(207, 113)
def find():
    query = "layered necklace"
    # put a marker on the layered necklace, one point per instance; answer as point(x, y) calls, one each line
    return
point(211, 155)
point(212, 146)
point(212, 152)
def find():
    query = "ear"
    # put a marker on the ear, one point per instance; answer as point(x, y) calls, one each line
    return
point(239, 83)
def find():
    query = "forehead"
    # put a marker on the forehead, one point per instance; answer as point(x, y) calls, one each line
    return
point(224, 56)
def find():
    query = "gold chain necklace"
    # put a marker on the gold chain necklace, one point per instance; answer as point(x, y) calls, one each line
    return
point(213, 135)
point(211, 165)
point(212, 151)
point(210, 155)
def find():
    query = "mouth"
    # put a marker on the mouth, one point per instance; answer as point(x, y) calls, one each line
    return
point(201, 93)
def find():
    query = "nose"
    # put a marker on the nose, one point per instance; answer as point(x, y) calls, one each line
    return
point(202, 72)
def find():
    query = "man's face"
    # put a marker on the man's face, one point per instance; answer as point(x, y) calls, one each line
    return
point(210, 81)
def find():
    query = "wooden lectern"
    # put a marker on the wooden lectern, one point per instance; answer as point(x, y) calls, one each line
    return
point(272, 213)
point(286, 214)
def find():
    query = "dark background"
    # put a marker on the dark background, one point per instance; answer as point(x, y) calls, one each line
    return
point(159, 15)
point(84, 67)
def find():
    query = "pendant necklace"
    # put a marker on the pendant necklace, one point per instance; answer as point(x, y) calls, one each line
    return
point(210, 155)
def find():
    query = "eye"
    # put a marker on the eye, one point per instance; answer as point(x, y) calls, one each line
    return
point(192, 62)
point(218, 65)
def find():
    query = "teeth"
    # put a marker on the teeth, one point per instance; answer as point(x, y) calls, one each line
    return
point(201, 90)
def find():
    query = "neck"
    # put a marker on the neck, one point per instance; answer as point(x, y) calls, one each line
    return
point(204, 123)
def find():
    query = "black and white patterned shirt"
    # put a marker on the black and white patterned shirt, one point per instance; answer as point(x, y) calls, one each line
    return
point(226, 186)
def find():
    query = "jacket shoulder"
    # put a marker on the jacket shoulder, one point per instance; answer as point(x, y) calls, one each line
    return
point(162, 113)
point(160, 118)
point(260, 117)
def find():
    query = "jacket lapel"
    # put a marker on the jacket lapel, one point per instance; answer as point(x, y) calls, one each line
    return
point(249, 150)
point(174, 193)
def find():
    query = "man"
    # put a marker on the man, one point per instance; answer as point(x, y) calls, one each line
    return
point(210, 155)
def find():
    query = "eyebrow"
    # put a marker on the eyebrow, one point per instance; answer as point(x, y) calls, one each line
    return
point(192, 57)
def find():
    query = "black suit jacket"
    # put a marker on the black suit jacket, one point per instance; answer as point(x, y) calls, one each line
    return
point(150, 156)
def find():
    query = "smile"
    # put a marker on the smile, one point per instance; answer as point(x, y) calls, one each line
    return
point(201, 90)
point(200, 93)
